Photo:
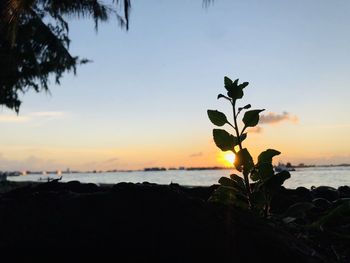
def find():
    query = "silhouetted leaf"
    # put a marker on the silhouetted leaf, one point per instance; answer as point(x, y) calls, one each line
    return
point(246, 107)
point(251, 118)
point(228, 83)
point(227, 182)
point(234, 182)
point(239, 181)
point(254, 176)
point(223, 194)
point(243, 85)
point(223, 96)
point(266, 156)
point(234, 90)
point(277, 180)
point(244, 161)
point(216, 117)
point(235, 93)
point(224, 140)
point(229, 196)
point(262, 171)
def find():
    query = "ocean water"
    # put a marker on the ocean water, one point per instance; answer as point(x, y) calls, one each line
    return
point(307, 177)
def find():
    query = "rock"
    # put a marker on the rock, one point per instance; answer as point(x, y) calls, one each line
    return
point(202, 193)
point(284, 198)
point(344, 191)
point(322, 204)
point(304, 194)
point(325, 192)
point(341, 201)
point(77, 187)
point(144, 222)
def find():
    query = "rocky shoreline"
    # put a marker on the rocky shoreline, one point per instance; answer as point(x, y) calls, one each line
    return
point(174, 223)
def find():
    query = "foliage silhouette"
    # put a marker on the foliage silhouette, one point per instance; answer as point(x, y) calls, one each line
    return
point(34, 41)
point(236, 190)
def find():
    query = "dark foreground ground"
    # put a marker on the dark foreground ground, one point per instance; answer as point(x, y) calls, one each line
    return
point(148, 222)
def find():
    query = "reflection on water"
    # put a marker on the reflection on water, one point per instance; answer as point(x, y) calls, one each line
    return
point(315, 176)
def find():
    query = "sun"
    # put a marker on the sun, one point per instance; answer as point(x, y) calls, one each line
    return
point(227, 158)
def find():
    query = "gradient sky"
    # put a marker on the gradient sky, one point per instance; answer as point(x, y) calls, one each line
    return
point(143, 100)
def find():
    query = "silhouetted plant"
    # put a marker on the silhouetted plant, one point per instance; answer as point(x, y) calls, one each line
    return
point(236, 190)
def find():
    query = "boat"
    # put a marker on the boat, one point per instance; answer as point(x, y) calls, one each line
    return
point(50, 179)
point(282, 167)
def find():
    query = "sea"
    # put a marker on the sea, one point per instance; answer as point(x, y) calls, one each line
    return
point(308, 177)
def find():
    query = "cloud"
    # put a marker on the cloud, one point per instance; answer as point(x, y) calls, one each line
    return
point(256, 129)
point(32, 163)
point(198, 154)
point(47, 114)
point(112, 160)
point(32, 116)
point(14, 118)
point(272, 118)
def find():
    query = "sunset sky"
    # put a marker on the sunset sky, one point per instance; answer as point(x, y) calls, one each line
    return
point(142, 101)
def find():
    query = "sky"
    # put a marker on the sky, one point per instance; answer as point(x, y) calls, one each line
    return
point(142, 102)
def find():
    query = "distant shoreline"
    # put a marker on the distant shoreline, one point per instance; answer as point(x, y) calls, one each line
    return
point(154, 169)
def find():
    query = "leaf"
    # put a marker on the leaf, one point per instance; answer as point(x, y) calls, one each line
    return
point(228, 195)
point(234, 90)
point(243, 85)
point(223, 194)
point(262, 171)
point(228, 83)
point(244, 161)
point(235, 93)
point(236, 183)
point(224, 140)
point(239, 181)
point(276, 181)
point(251, 118)
point(217, 118)
point(254, 175)
point(266, 156)
point(223, 96)
point(227, 182)
point(246, 107)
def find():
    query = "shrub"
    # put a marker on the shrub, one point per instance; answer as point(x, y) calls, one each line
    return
point(238, 190)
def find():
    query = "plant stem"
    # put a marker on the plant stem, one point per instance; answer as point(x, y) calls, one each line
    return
point(245, 175)
point(230, 124)
point(245, 127)
point(236, 125)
